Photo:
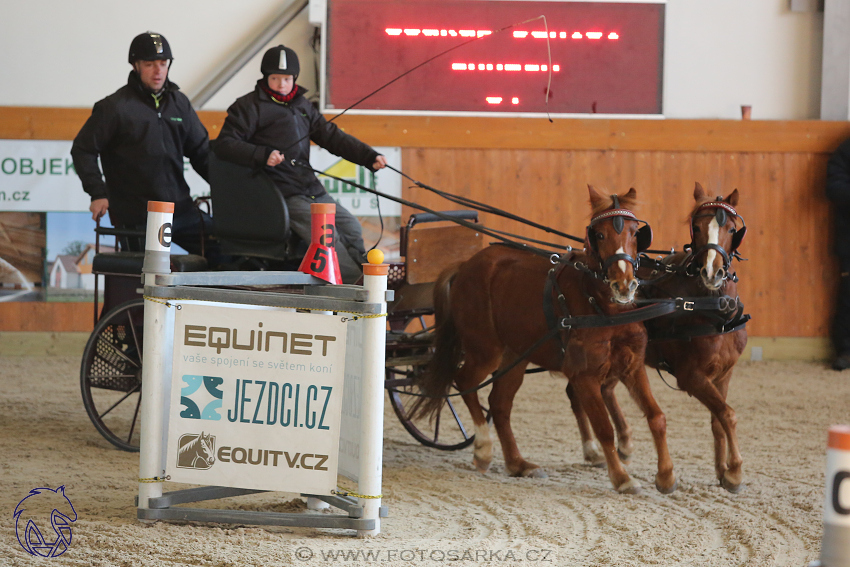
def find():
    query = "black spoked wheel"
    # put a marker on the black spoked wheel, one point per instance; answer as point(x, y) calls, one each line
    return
point(111, 374)
point(407, 357)
point(450, 430)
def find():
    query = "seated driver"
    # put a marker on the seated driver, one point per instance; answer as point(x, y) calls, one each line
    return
point(275, 119)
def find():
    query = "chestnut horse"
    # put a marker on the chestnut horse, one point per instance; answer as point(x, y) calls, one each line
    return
point(699, 348)
point(490, 311)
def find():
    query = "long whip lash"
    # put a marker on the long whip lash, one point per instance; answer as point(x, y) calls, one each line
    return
point(449, 50)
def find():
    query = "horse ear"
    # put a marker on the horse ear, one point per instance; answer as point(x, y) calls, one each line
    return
point(699, 192)
point(596, 200)
point(732, 199)
point(631, 195)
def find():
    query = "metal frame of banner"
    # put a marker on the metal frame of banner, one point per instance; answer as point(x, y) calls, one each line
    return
point(363, 509)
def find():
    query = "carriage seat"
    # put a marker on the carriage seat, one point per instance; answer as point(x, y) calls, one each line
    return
point(130, 263)
point(250, 215)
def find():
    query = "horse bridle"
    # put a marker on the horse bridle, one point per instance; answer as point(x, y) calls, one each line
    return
point(643, 237)
point(721, 210)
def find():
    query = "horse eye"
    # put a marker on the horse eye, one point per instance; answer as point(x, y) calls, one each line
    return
point(733, 230)
point(600, 236)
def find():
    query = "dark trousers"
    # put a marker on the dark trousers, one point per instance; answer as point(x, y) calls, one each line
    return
point(188, 230)
point(349, 242)
point(841, 322)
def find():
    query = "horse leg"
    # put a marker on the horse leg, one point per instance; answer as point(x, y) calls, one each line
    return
point(472, 373)
point(589, 446)
point(727, 462)
point(624, 430)
point(665, 478)
point(733, 478)
point(589, 393)
point(501, 403)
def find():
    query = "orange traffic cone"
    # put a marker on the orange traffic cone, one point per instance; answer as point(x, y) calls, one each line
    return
point(321, 260)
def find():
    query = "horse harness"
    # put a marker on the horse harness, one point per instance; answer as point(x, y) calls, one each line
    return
point(727, 311)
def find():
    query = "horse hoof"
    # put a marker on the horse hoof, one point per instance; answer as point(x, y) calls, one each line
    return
point(481, 466)
point(731, 486)
point(668, 490)
point(592, 455)
point(625, 458)
point(536, 472)
point(630, 487)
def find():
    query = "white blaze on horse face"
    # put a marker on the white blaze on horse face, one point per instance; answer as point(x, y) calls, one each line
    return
point(713, 238)
point(621, 263)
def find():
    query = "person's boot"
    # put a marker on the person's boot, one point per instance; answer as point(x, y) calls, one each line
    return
point(842, 361)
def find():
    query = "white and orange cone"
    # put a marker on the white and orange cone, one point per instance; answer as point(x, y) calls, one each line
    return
point(835, 545)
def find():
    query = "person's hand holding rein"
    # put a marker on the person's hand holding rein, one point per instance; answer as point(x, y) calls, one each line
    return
point(380, 162)
point(98, 208)
point(274, 158)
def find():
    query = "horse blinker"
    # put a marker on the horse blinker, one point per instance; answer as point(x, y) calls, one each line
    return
point(644, 238)
point(738, 237)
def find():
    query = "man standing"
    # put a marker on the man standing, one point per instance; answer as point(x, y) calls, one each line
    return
point(141, 133)
point(838, 191)
point(275, 119)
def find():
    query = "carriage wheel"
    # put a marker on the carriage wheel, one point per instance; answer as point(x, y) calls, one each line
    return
point(450, 430)
point(111, 374)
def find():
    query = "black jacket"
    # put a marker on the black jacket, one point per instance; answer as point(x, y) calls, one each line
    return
point(838, 191)
point(256, 125)
point(141, 148)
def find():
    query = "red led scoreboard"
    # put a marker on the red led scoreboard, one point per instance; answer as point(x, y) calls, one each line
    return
point(606, 57)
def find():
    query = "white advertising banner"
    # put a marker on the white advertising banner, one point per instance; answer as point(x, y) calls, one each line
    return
point(39, 176)
point(256, 396)
point(352, 396)
point(358, 202)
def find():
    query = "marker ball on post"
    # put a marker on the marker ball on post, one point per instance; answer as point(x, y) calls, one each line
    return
point(835, 545)
point(321, 260)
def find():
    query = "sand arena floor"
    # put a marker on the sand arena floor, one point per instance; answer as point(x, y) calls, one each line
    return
point(442, 511)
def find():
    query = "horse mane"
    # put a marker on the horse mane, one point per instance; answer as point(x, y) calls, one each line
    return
point(190, 445)
point(627, 201)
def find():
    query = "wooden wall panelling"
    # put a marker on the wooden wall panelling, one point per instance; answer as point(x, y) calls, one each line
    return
point(45, 316)
point(539, 170)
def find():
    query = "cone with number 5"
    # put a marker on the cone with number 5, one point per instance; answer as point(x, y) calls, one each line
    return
point(321, 260)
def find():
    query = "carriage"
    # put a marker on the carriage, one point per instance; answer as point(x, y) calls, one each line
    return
point(111, 369)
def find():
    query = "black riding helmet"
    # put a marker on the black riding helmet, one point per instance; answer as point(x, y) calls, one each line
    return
point(280, 60)
point(149, 46)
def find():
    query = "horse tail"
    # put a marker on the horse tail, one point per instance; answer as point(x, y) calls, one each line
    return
point(440, 373)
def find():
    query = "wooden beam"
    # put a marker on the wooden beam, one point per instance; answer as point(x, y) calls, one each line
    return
point(759, 136)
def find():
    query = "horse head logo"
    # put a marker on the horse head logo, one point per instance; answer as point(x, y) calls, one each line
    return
point(196, 451)
point(31, 516)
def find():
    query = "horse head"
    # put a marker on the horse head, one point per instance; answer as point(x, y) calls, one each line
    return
point(206, 449)
point(715, 236)
point(614, 238)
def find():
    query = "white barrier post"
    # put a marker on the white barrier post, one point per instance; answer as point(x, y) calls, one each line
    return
point(835, 545)
point(155, 354)
point(372, 405)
